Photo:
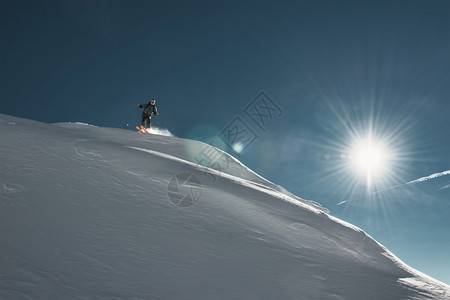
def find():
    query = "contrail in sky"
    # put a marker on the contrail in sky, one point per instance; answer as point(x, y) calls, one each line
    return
point(421, 179)
point(432, 176)
point(444, 187)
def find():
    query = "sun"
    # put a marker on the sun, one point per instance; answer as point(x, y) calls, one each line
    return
point(370, 159)
point(364, 148)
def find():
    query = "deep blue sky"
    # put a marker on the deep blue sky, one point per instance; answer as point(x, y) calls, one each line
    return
point(335, 68)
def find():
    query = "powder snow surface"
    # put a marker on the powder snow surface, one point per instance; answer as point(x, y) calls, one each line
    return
point(86, 214)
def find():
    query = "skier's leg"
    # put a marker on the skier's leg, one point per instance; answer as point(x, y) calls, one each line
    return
point(143, 119)
point(149, 121)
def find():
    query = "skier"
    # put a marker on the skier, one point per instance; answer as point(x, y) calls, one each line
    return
point(149, 110)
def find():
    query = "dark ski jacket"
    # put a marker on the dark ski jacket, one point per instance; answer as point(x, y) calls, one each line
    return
point(149, 109)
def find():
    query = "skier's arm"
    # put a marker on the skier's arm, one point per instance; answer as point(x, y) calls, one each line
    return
point(155, 111)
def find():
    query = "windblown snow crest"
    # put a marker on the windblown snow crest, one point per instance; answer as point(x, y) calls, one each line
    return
point(160, 131)
point(86, 213)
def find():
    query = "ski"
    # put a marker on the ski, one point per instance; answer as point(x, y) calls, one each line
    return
point(139, 128)
point(145, 130)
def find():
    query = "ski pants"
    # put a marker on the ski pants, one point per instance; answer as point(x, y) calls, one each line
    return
point(146, 119)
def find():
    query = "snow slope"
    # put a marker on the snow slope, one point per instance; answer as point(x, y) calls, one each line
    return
point(86, 214)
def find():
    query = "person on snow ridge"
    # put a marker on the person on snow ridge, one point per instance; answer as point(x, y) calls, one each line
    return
point(149, 110)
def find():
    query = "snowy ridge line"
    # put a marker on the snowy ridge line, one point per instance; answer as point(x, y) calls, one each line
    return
point(74, 123)
point(420, 279)
point(426, 287)
point(275, 187)
point(237, 161)
point(235, 179)
point(82, 123)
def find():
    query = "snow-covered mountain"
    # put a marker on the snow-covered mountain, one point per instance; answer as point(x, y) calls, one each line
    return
point(102, 213)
